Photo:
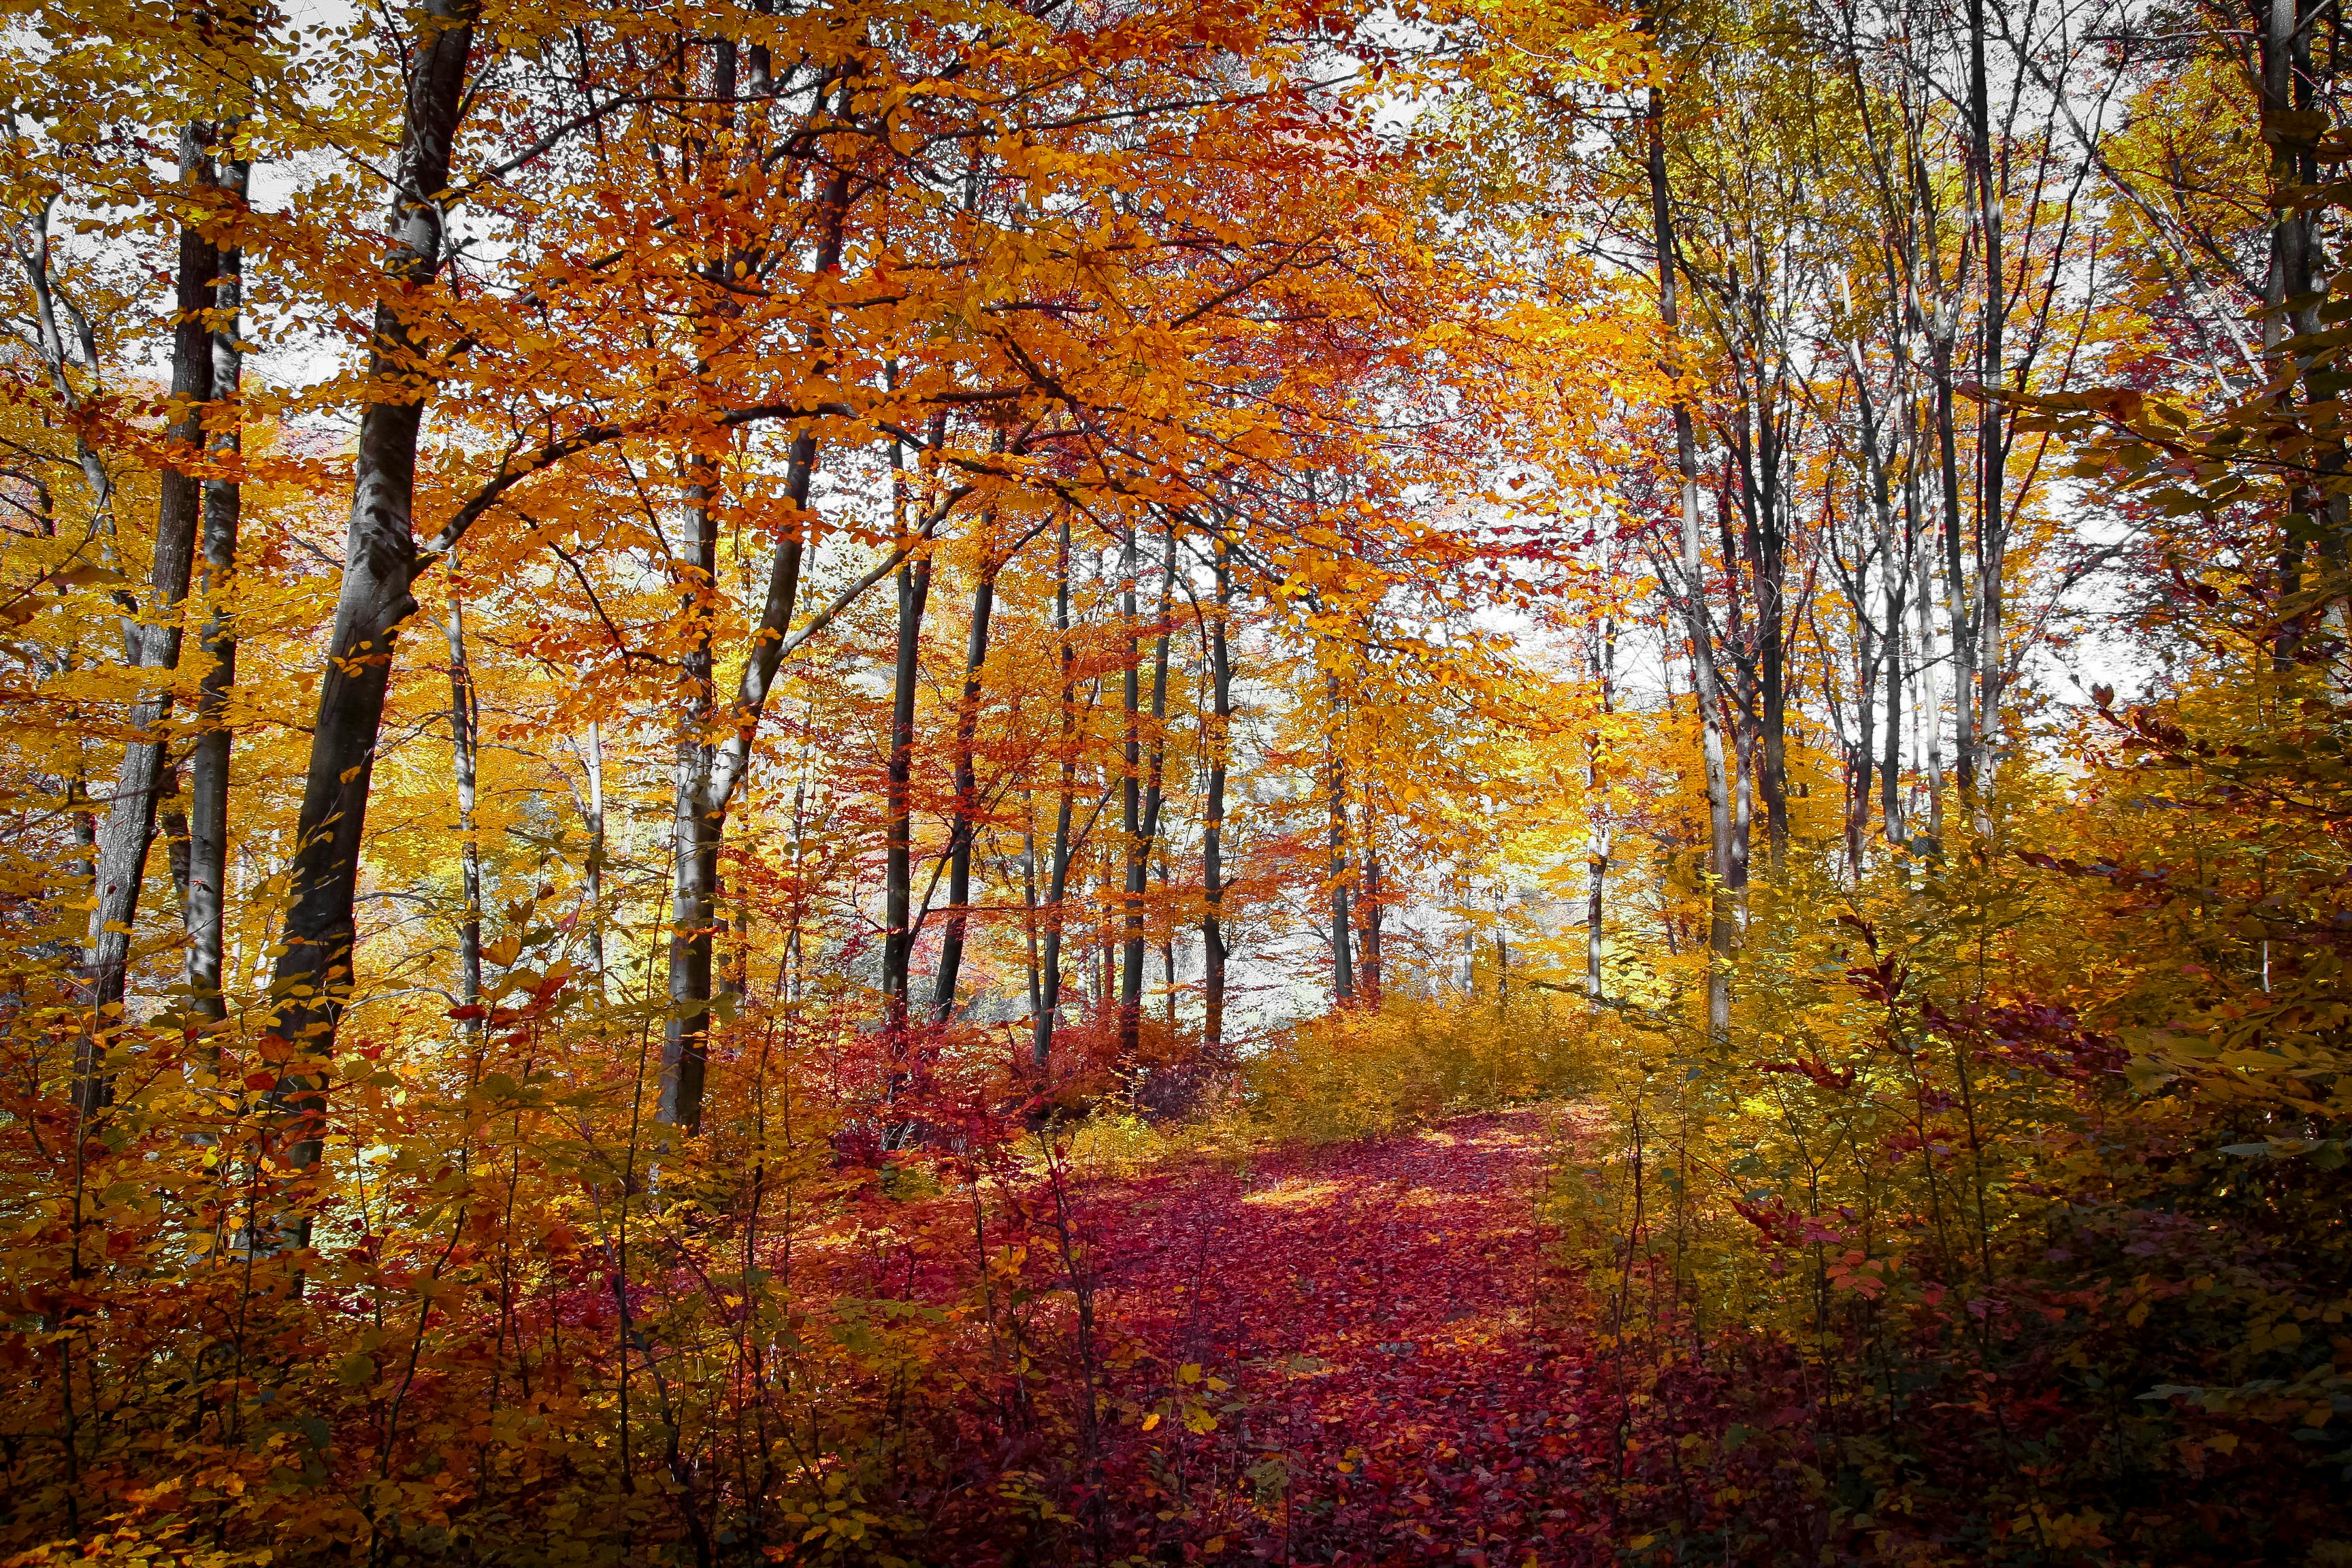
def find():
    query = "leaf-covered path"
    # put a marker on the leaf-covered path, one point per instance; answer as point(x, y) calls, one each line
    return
point(1370, 1328)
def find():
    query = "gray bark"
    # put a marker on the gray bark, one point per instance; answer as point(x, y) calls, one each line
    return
point(967, 791)
point(897, 874)
point(1213, 830)
point(1343, 967)
point(1143, 827)
point(695, 825)
point(314, 976)
point(208, 765)
point(130, 827)
point(717, 765)
point(1992, 443)
point(1057, 887)
point(465, 725)
point(1706, 686)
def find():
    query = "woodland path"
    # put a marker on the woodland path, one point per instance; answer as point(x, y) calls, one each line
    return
point(1388, 1322)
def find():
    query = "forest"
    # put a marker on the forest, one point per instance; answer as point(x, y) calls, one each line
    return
point(936, 782)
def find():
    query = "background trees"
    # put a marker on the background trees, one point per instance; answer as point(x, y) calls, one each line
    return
point(999, 574)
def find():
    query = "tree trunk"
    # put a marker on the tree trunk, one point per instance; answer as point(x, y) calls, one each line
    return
point(594, 870)
point(1167, 956)
point(715, 770)
point(1992, 445)
point(1130, 792)
point(1029, 907)
point(1212, 829)
point(313, 974)
point(1143, 832)
point(174, 821)
point(1897, 585)
point(967, 788)
point(1767, 547)
point(1888, 649)
point(1862, 756)
point(224, 507)
point(700, 820)
point(1925, 702)
point(898, 878)
point(2284, 80)
point(1599, 838)
point(1706, 687)
point(465, 725)
point(695, 824)
point(1964, 659)
point(130, 825)
point(1343, 967)
point(1058, 885)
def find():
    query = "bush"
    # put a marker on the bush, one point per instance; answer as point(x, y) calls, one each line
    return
point(1368, 1072)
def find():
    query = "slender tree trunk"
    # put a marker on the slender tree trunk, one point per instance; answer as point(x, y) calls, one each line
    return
point(1743, 806)
point(1992, 444)
point(717, 765)
point(1167, 957)
point(2286, 87)
point(130, 825)
point(1888, 650)
point(1767, 549)
point(697, 825)
point(1863, 754)
point(313, 974)
point(465, 726)
point(1964, 658)
point(1925, 699)
point(1600, 837)
point(1898, 581)
point(897, 891)
point(595, 759)
point(698, 819)
point(1502, 952)
point(1057, 887)
point(1212, 828)
point(1143, 832)
point(732, 972)
point(1343, 967)
point(1130, 792)
point(174, 821)
point(1029, 907)
point(224, 507)
point(1706, 687)
point(967, 792)
point(1370, 914)
point(1106, 988)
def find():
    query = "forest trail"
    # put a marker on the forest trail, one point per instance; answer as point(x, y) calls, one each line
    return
point(1389, 1325)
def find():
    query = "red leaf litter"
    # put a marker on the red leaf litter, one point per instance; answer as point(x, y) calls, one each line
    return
point(1383, 1319)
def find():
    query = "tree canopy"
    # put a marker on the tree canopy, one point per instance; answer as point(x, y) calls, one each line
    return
point(729, 729)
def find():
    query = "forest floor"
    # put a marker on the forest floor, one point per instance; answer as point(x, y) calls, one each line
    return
point(1382, 1339)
